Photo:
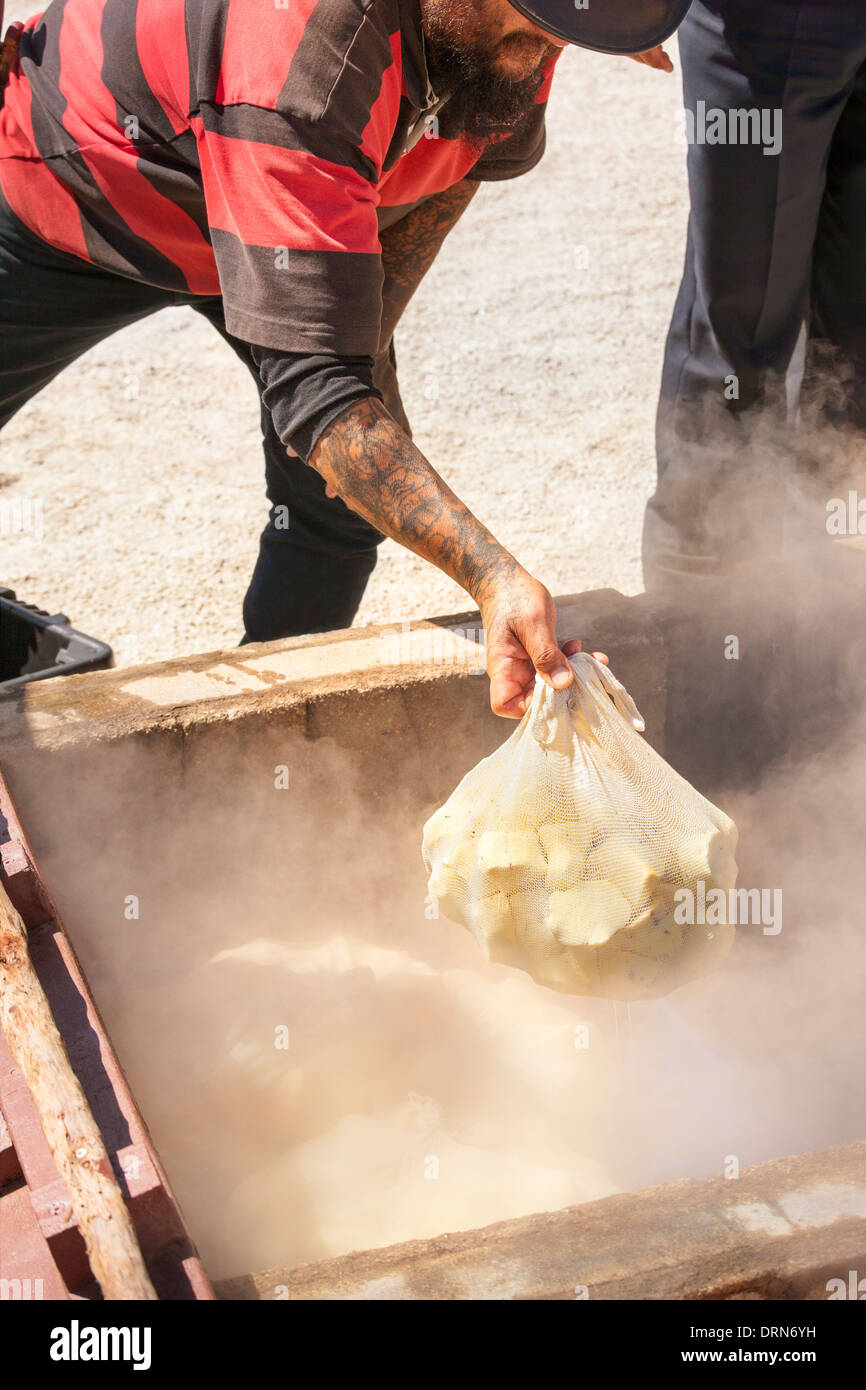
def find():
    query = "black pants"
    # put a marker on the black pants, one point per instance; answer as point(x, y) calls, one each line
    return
point(311, 573)
point(776, 253)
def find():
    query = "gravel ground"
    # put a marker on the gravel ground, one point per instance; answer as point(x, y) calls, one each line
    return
point(131, 488)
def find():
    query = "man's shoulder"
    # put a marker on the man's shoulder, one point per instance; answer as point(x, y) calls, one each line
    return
point(304, 57)
point(346, 49)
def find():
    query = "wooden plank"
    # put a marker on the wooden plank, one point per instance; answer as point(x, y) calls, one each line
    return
point(67, 1123)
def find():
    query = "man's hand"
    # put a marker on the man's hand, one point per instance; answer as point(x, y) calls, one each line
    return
point(520, 622)
point(654, 58)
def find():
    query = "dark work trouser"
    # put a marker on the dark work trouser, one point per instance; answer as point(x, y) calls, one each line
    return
point(310, 574)
point(776, 255)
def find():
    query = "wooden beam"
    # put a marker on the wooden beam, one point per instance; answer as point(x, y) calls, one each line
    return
point(66, 1119)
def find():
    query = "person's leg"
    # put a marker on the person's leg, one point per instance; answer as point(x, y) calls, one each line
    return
point(838, 327)
point(315, 555)
point(53, 307)
point(744, 295)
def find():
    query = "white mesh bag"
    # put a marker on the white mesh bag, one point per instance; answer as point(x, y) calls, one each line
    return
point(563, 850)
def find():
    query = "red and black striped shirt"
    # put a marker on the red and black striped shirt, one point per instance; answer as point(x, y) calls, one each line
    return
point(212, 146)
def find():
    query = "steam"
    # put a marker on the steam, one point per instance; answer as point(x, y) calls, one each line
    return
point(326, 1067)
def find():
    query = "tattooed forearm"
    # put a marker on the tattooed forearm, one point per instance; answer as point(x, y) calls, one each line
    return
point(409, 249)
point(371, 463)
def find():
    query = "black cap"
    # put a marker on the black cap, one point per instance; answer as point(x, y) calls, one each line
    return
point(608, 26)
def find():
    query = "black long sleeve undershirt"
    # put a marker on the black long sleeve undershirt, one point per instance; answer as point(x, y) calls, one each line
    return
point(305, 392)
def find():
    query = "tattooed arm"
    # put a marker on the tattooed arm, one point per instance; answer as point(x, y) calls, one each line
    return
point(368, 460)
point(366, 457)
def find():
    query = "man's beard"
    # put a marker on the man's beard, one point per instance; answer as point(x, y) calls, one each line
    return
point(483, 100)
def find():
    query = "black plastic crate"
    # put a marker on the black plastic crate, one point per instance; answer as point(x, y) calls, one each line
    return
point(35, 645)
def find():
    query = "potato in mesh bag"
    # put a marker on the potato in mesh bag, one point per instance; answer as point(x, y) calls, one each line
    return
point(574, 851)
point(564, 849)
point(510, 859)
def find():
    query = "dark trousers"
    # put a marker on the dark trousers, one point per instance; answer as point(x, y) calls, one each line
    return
point(776, 258)
point(311, 573)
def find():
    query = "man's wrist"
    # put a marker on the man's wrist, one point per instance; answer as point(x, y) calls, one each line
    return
point(501, 571)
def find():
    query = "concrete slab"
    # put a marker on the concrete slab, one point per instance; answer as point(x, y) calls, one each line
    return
point(294, 672)
point(782, 1230)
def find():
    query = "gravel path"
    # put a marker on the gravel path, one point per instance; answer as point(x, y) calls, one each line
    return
point(131, 490)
